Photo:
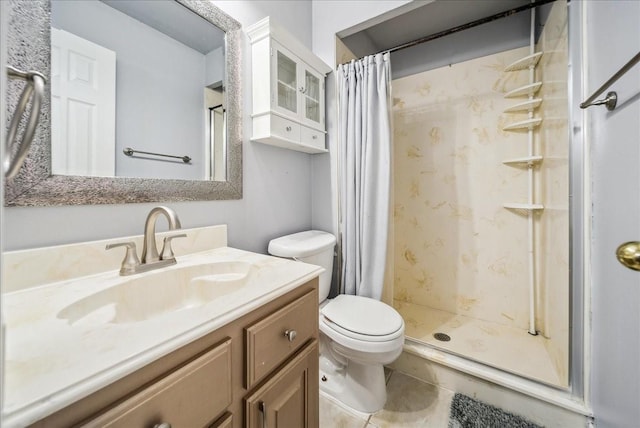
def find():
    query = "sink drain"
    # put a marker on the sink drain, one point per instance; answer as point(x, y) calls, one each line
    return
point(442, 337)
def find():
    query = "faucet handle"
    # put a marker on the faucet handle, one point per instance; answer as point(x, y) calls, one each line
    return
point(167, 252)
point(130, 261)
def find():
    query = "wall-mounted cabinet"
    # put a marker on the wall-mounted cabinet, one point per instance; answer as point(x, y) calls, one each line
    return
point(288, 90)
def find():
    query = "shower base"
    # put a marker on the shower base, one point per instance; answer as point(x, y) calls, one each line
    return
point(506, 348)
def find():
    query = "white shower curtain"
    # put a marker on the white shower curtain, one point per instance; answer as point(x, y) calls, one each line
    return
point(365, 171)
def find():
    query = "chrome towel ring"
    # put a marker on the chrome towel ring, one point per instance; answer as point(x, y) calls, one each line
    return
point(35, 85)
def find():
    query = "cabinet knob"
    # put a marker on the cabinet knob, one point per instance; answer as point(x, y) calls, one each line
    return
point(288, 128)
point(290, 335)
point(302, 89)
point(315, 137)
point(162, 425)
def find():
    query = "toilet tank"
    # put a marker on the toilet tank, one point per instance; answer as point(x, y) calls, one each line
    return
point(312, 246)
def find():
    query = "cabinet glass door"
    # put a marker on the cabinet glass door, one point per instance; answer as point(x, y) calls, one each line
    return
point(287, 74)
point(311, 97)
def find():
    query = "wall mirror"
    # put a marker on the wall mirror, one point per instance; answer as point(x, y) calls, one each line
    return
point(143, 106)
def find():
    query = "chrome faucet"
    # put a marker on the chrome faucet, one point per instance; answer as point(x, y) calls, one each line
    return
point(150, 257)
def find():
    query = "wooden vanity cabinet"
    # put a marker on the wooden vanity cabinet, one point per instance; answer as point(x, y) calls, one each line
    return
point(245, 373)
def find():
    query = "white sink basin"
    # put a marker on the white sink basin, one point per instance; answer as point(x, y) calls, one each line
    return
point(140, 298)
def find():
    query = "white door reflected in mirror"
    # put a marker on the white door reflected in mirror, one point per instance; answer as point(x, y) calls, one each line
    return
point(83, 106)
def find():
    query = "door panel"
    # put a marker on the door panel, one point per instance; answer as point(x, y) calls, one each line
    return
point(615, 145)
point(83, 95)
point(311, 96)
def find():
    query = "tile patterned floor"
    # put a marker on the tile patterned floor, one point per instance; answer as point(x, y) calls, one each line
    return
point(410, 403)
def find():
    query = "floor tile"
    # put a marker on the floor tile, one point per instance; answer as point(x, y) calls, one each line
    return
point(412, 403)
point(332, 415)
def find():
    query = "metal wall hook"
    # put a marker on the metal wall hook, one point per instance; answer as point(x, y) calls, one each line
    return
point(610, 101)
point(35, 85)
point(607, 101)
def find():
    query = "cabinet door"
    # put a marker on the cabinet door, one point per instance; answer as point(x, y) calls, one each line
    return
point(285, 71)
point(312, 88)
point(290, 397)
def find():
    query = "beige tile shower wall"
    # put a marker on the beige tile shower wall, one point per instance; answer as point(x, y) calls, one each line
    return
point(553, 186)
point(456, 248)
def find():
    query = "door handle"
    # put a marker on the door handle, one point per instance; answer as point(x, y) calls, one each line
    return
point(263, 409)
point(629, 255)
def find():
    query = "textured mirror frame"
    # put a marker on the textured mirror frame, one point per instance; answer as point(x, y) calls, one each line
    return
point(29, 48)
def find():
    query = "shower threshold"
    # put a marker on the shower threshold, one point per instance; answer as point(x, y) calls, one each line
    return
point(500, 346)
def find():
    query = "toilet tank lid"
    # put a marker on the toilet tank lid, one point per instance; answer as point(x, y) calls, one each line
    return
point(302, 244)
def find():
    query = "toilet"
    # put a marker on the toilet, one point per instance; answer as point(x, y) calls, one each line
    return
point(358, 335)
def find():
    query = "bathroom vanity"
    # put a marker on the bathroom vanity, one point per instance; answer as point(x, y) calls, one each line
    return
point(236, 345)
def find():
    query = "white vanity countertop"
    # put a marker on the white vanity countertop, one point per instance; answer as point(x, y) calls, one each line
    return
point(50, 364)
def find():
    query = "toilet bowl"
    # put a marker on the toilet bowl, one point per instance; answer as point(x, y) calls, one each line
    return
point(358, 335)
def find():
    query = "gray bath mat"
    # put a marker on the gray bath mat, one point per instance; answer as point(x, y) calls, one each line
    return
point(469, 413)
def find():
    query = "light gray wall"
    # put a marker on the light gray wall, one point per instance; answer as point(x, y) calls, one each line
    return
point(614, 141)
point(277, 182)
point(329, 18)
point(159, 89)
point(214, 66)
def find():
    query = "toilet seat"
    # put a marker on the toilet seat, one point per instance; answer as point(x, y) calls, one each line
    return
point(362, 318)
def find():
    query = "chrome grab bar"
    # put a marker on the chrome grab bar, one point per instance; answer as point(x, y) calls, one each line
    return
point(35, 85)
point(129, 152)
point(612, 98)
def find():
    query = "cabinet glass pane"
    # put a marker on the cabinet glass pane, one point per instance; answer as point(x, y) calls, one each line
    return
point(312, 110)
point(312, 86)
point(287, 94)
point(312, 97)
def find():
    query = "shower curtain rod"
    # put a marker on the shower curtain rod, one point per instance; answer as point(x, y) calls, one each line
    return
point(468, 25)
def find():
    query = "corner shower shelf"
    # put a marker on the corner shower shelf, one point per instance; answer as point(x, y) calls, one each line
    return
point(527, 90)
point(529, 161)
point(524, 63)
point(529, 106)
point(527, 207)
point(523, 124)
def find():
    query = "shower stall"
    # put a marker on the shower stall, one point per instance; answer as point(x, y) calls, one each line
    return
point(481, 206)
point(479, 251)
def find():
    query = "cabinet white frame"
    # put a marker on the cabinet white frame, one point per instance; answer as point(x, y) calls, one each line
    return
point(300, 88)
point(272, 123)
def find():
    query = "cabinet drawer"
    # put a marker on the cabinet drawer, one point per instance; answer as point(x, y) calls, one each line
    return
point(312, 137)
point(192, 396)
point(267, 344)
point(285, 128)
